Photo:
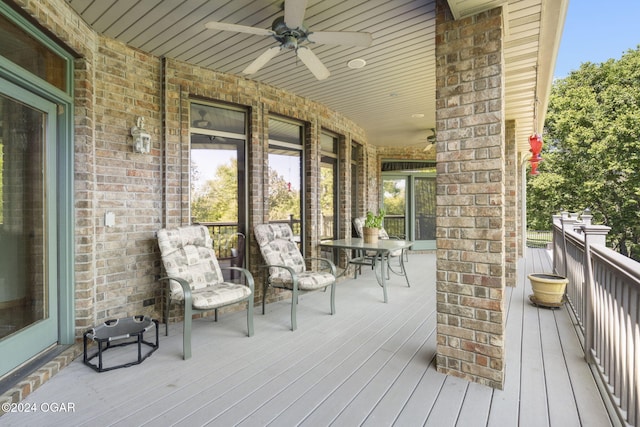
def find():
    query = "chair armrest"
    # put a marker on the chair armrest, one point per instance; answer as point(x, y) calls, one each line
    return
point(399, 237)
point(327, 261)
point(247, 274)
point(186, 289)
point(286, 267)
point(294, 275)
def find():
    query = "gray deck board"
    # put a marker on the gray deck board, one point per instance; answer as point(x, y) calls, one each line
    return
point(447, 406)
point(533, 399)
point(590, 408)
point(370, 364)
point(503, 401)
point(475, 406)
point(562, 406)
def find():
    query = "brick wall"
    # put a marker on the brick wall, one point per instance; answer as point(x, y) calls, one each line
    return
point(183, 82)
point(470, 196)
point(127, 184)
point(116, 267)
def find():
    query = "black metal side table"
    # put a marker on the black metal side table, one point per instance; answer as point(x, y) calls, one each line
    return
point(119, 333)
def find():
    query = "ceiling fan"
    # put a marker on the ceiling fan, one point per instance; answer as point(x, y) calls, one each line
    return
point(290, 31)
point(431, 141)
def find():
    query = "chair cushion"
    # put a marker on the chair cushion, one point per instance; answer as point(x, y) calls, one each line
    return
point(187, 253)
point(219, 295)
point(307, 280)
point(358, 224)
point(395, 252)
point(277, 248)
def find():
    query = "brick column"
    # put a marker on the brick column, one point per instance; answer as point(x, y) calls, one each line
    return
point(470, 196)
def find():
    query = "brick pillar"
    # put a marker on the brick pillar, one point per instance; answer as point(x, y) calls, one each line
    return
point(470, 196)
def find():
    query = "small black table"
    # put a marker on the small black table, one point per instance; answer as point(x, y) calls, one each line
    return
point(120, 330)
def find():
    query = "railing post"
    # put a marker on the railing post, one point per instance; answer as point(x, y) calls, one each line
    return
point(567, 222)
point(556, 244)
point(593, 235)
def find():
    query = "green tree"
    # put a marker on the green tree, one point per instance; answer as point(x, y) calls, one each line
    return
point(217, 199)
point(591, 157)
point(326, 191)
point(394, 196)
point(283, 200)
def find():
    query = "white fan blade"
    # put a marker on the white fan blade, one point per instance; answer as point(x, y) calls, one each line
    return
point(313, 63)
point(262, 60)
point(294, 13)
point(223, 26)
point(344, 38)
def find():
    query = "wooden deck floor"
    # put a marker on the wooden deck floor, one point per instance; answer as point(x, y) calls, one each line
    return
point(370, 364)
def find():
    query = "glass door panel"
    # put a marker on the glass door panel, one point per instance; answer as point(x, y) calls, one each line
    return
point(285, 203)
point(217, 182)
point(286, 175)
point(218, 179)
point(394, 202)
point(425, 209)
point(28, 279)
point(410, 205)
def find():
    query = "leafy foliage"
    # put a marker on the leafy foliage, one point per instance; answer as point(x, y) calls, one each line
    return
point(217, 199)
point(374, 221)
point(283, 200)
point(592, 151)
point(394, 196)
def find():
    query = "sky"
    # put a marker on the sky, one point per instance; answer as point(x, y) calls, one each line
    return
point(597, 30)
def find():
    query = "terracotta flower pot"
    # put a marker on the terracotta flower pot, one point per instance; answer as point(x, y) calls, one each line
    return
point(548, 289)
point(370, 235)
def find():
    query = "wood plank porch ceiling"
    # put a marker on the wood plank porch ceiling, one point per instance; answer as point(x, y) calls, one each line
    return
point(399, 78)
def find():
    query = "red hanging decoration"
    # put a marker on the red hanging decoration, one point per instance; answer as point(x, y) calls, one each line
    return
point(535, 142)
point(289, 186)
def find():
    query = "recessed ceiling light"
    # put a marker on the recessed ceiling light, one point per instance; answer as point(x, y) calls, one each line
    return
point(356, 63)
point(417, 115)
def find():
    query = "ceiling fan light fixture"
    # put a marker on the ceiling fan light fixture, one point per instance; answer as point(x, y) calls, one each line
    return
point(357, 63)
point(290, 42)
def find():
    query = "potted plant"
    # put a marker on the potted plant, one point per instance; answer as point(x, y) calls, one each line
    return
point(548, 289)
point(372, 226)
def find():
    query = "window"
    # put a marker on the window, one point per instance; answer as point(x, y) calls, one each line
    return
point(285, 174)
point(218, 172)
point(29, 53)
point(329, 219)
point(356, 185)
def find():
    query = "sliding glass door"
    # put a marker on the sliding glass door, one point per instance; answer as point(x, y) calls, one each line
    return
point(28, 239)
point(409, 199)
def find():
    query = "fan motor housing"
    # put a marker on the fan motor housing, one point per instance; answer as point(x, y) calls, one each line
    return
point(287, 36)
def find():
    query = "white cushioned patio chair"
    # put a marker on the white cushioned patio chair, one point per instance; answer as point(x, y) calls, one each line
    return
point(195, 279)
point(287, 267)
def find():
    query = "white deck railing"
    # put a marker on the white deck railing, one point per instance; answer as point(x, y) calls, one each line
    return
point(604, 293)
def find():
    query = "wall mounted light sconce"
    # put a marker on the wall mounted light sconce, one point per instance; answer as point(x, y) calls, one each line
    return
point(141, 139)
